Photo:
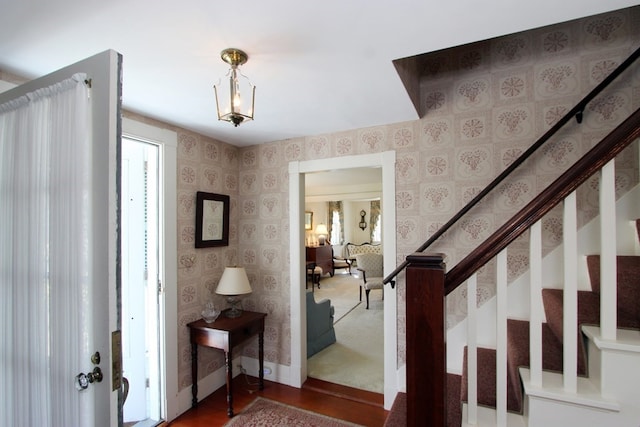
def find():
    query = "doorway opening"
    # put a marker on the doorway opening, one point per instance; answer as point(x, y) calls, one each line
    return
point(297, 171)
point(356, 358)
point(141, 285)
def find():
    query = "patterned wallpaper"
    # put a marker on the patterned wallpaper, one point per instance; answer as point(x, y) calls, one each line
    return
point(485, 103)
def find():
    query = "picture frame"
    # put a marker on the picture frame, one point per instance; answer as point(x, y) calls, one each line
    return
point(308, 220)
point(212, 220)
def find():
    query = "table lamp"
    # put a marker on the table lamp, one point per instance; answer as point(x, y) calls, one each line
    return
point(321, 232)
point(233, 283)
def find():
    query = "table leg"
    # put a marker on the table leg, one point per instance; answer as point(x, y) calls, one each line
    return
point(229, 363)
point(194, 375)
point(261, 360)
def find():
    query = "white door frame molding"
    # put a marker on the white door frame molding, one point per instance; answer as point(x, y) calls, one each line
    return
point(297, 170)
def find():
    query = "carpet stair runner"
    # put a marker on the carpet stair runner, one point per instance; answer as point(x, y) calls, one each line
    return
point(628, 293)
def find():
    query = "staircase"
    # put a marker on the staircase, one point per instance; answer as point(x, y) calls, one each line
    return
point(554, 390)
point(532, 373)
point(550, 399)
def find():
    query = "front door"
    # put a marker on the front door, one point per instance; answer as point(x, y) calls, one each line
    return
point(98, 402)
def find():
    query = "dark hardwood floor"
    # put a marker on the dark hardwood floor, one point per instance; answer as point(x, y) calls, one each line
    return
point(357, 406)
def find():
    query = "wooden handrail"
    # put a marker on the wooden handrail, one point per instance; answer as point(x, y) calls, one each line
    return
point(568, 182)
point(428, 284)
point(576, 112)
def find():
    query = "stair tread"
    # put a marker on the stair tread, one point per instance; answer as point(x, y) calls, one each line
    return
point(626, 339)
point(587, 394)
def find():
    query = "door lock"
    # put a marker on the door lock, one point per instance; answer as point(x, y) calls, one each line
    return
point(83, 380)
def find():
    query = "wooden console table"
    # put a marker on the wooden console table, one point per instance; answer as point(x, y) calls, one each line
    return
point(225, 334)
point(322, 256)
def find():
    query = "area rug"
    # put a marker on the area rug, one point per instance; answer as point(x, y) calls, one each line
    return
point(268, 413)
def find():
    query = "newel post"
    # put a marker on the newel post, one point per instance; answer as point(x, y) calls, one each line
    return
point(426, 346)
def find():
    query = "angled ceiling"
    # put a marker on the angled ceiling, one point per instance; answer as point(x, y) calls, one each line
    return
point(319, 67)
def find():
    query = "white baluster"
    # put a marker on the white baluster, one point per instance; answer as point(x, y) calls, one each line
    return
point(501, 339)
point(472, 351)
point(535, 300)
point(608, 264)
point(570, 342)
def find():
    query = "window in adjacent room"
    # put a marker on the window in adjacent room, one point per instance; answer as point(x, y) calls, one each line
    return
point(336, 223)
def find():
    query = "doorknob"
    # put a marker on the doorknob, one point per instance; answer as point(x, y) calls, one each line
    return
point(83, 380)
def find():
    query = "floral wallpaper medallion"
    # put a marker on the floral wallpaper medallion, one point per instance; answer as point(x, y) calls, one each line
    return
point(556, 41)
point(557, 79)
point(474, 162)
point(513, 122)
point(317, 147)
point(436, 132)
point(471, 94)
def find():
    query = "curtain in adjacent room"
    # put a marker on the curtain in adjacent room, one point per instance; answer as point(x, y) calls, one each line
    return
point(44, 255)
point(336, 207)
point(373, 218)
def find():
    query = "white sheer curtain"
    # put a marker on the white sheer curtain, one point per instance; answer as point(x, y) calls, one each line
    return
point(44, 255)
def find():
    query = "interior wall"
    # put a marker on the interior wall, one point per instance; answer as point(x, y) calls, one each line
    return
point(353, 233)
point(484, 104)
point(351, 209)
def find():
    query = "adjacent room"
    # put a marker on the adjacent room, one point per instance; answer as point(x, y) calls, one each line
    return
point(342, 218)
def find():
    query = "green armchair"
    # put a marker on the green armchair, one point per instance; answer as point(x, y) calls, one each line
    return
point(320, 332)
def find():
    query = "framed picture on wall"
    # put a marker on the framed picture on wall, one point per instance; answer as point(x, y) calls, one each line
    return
point(308, 220)
point(212, 220)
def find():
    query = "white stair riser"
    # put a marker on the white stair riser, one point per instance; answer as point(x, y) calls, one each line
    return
point(616, 371)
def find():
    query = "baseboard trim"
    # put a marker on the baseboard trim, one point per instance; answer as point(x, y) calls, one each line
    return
point(218, 378)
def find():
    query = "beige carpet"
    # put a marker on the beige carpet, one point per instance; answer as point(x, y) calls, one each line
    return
point(342, 290)
point(357, 358)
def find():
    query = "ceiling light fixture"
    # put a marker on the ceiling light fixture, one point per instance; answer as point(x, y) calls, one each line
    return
point(230, 104)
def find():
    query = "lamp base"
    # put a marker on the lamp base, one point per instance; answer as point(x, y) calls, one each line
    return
point(234, 311)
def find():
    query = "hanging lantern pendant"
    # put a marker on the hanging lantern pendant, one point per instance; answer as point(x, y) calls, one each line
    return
point(229, 105)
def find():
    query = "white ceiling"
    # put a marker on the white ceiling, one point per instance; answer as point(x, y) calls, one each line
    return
point(318, 66)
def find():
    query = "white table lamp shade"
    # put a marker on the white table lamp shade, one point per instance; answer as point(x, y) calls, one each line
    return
point(321, 230)
point(234, 281)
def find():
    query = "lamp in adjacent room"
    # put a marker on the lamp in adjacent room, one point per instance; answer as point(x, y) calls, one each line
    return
point(233, 283)
point(234, 92)
point(322, 232)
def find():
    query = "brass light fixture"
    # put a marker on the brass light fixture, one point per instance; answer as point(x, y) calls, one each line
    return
point(234, 101)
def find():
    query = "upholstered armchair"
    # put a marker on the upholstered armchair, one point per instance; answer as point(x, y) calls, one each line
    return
point(339, 261)
point(371, 267)
point(320, 332)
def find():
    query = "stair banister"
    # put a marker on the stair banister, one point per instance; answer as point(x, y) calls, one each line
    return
point(428, 285)
point(568, 182)
point(426, 358)
point(576, 112)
